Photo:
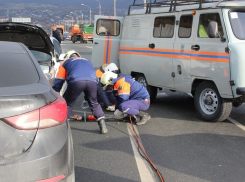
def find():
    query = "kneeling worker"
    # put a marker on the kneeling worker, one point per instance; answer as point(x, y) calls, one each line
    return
point(132, 97)
point(81, 77)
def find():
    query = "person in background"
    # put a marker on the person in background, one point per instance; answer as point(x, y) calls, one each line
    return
point(80, 76)
point(132, 97)
point(56, 33)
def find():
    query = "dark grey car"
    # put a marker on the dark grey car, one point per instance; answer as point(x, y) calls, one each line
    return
point(35, 137)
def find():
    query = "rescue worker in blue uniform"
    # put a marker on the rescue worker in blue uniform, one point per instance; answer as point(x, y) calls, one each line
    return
point(80, 76)
point(106, 96)
point(132, 97)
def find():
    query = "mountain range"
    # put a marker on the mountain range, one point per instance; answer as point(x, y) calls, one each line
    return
point(91, 3)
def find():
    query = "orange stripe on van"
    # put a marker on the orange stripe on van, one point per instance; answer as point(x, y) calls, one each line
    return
point(109, 53)
point(105, 50)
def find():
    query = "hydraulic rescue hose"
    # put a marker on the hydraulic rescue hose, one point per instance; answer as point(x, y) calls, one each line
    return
point(145, 155)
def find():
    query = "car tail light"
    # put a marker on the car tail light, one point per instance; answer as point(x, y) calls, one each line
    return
point(48, 116)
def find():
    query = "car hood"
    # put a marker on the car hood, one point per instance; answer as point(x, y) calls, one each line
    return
point(34, 37)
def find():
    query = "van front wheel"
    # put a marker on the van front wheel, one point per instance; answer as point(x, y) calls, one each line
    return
point(151, 90)
point(209, 105)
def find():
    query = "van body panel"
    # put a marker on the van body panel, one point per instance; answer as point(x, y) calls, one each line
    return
point(106, 47)
point(134, 47)
point(237, 56)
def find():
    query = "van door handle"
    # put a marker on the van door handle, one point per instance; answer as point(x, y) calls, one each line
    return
point(152, 46)
point(195, 47)
point(96, 43)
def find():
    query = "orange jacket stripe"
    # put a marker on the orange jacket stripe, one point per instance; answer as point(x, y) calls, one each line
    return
point(122, 86)
point(62, 74)
point(99, 73)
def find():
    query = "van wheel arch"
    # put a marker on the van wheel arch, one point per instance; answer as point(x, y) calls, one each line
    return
point(139, 77)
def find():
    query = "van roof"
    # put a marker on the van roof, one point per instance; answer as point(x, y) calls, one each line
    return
point(174, 5)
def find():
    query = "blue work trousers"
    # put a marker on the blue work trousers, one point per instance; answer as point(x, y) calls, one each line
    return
point(133, 107)
point(106, 96)
point(89, 88)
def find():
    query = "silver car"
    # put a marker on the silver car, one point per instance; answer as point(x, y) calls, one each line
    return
point(35, 137)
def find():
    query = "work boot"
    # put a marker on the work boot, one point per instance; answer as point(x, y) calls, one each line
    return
point(133, 118)
point(102, 126)
point(144, 118)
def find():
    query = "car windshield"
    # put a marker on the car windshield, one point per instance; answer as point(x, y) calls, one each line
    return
point(237, 19)
point(41, 56)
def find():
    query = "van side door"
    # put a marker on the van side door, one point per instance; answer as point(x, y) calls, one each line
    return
point(182, 51)
point(107, 37)
point(162, 38)
point(211, 61)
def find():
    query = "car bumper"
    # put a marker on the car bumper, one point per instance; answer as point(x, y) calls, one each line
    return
point(51, 155)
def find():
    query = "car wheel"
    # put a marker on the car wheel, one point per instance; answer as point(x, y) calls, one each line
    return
point(151, 90)
point(209, 105)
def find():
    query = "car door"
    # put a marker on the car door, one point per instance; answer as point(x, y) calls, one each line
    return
point(107, 37)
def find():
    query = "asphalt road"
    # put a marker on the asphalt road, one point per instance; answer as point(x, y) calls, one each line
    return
point(181, 146)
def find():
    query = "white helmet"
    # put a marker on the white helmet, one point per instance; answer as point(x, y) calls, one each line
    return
point(107, 77)
point(111, 67)
point(70, 53)
point(102, 30)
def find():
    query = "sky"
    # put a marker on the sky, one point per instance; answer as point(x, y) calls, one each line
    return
point(91, 3)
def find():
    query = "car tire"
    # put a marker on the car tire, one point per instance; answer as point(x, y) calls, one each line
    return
point(151, 90)
point(209, 105)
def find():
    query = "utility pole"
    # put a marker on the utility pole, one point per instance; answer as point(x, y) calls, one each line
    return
point(99, 7)
point(115, 12)
point(89, 13)
point(144, 4)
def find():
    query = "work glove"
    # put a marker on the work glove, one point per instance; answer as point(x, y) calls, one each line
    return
point(110, 108)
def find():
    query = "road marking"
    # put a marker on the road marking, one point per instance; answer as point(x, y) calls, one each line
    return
point(145, 170)
point(236, 123)
point(89, 47)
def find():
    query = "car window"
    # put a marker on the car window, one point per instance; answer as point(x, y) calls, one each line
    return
point(237, 19)
point(204, 21)
point(57, 47)
point(41, 56)
point(185, 26)
point(16, 70)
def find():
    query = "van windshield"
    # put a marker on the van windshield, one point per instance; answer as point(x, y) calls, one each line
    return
point(237, 19)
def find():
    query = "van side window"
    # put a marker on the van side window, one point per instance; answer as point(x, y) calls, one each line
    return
point(107, 27)
point(204, 20)
point(185, 26)
point(164, 27)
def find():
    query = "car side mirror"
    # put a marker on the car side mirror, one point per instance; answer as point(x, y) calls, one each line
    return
point(61, 57)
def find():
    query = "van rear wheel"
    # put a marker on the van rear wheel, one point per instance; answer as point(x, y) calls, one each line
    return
point(209, 105)
point(151, 90)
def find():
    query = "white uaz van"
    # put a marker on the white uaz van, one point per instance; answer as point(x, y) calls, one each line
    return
point(190, 46)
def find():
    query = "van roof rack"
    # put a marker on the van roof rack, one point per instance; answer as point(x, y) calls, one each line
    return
point(170, 3)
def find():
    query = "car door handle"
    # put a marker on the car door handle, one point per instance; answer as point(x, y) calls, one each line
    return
point(152, 46)
point(96, 43)
point(195, 47)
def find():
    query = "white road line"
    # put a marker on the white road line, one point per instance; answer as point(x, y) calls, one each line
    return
point(236, 123)
point(145, 170)
point(89, 47)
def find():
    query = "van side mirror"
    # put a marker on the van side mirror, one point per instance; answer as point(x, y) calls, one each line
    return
point(213, 31)
point(61, 57)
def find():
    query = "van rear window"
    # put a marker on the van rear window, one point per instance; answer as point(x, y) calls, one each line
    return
point(107, 27)
point(164, 27)
point(185, 26)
